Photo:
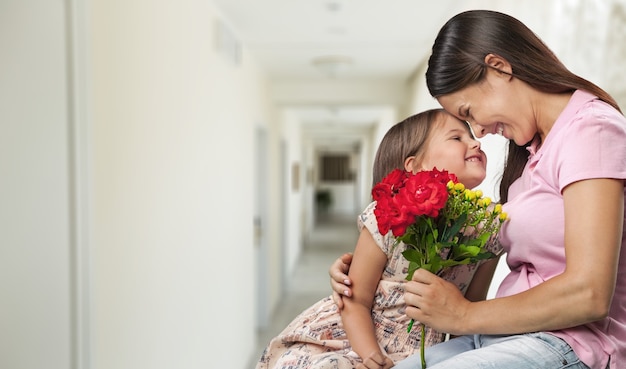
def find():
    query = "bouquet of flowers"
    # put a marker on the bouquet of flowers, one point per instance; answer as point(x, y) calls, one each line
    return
point(442, 223)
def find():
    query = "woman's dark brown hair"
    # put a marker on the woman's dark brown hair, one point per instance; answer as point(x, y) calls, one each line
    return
point(457, 61)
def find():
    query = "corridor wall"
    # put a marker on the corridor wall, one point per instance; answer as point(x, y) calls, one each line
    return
point(127, 192)
point(173, 120)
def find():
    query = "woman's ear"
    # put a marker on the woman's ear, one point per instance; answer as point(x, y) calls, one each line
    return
point(499, 63)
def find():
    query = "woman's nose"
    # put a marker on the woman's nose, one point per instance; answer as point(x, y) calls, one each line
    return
point(479, 131)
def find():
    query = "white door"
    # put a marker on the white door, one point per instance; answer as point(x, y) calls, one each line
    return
point(260, 220)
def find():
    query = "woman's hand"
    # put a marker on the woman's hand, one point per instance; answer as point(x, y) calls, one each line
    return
point(339, 280)
point(435, 302)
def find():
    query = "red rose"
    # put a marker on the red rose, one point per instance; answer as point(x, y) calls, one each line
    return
point(401, 196)
point(402, 217)
point(396, 178)
point(389, 185)
point(425, 193)
point(381, 190)
point(384, 213)
point(443, 176)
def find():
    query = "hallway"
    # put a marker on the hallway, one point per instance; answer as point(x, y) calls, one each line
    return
point(331, 237)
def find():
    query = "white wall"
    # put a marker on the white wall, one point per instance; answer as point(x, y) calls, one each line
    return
point(173, 126)
point(126, 187)
point(294, 186)
point(37, 227)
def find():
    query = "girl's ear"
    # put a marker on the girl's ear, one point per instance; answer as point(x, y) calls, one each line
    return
point(411, 164)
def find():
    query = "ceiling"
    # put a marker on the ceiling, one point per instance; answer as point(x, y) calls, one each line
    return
point(362, 40)
point(377, 38)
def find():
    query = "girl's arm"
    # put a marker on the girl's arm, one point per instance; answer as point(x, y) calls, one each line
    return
point(479, 286)
point(594, 216)
point(365, 272)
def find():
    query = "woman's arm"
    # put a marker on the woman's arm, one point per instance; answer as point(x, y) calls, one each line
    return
point(365, 272)
point(594, 216)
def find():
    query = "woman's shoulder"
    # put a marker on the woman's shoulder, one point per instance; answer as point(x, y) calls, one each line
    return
point(587, 108)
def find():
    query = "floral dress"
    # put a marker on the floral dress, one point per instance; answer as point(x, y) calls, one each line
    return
point(316, 339)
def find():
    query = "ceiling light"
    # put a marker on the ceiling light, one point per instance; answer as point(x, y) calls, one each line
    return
point(333, 6)
point(331, 65)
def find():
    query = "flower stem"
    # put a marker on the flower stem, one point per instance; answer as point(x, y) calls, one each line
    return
point(422, 339)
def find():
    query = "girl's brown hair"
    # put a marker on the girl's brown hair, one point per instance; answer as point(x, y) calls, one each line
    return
point(405, 139)
point(457, 61)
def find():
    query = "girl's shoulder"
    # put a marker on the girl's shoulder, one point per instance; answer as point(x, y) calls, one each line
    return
point(367, 219)
point(367, 216)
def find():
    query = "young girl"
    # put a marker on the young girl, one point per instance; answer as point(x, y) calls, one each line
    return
point(371, 330)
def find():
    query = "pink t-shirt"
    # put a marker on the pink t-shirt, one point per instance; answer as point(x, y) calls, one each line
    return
point(587, 141)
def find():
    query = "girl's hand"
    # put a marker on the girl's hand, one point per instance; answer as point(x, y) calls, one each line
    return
point(376, 361)
point(339, 280)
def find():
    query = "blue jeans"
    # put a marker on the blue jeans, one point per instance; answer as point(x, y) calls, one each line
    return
point(527, 351)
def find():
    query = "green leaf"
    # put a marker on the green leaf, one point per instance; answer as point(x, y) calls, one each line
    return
point(470, 250)
point(413, 266)
point(456, 226)
point(413, 255)
point(485, 256)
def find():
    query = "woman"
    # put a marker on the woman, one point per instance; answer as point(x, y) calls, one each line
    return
point(562, 305)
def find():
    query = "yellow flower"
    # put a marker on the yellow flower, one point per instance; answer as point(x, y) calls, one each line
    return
point(479, 194)
point(498, 208)
point(503, 216)
point(487, 201)
point(459, 187)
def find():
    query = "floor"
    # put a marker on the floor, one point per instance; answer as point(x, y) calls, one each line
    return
point(332, 236)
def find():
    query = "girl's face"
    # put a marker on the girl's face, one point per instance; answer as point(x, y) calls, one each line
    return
point(452, 147)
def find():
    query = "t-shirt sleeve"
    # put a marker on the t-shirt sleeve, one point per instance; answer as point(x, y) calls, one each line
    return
point(594, 146)
point(367, 219)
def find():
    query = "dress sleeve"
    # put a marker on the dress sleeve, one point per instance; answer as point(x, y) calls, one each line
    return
point(367, 219)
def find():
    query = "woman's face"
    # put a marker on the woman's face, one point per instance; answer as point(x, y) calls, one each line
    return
point(495, 105)
point(452, 147)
